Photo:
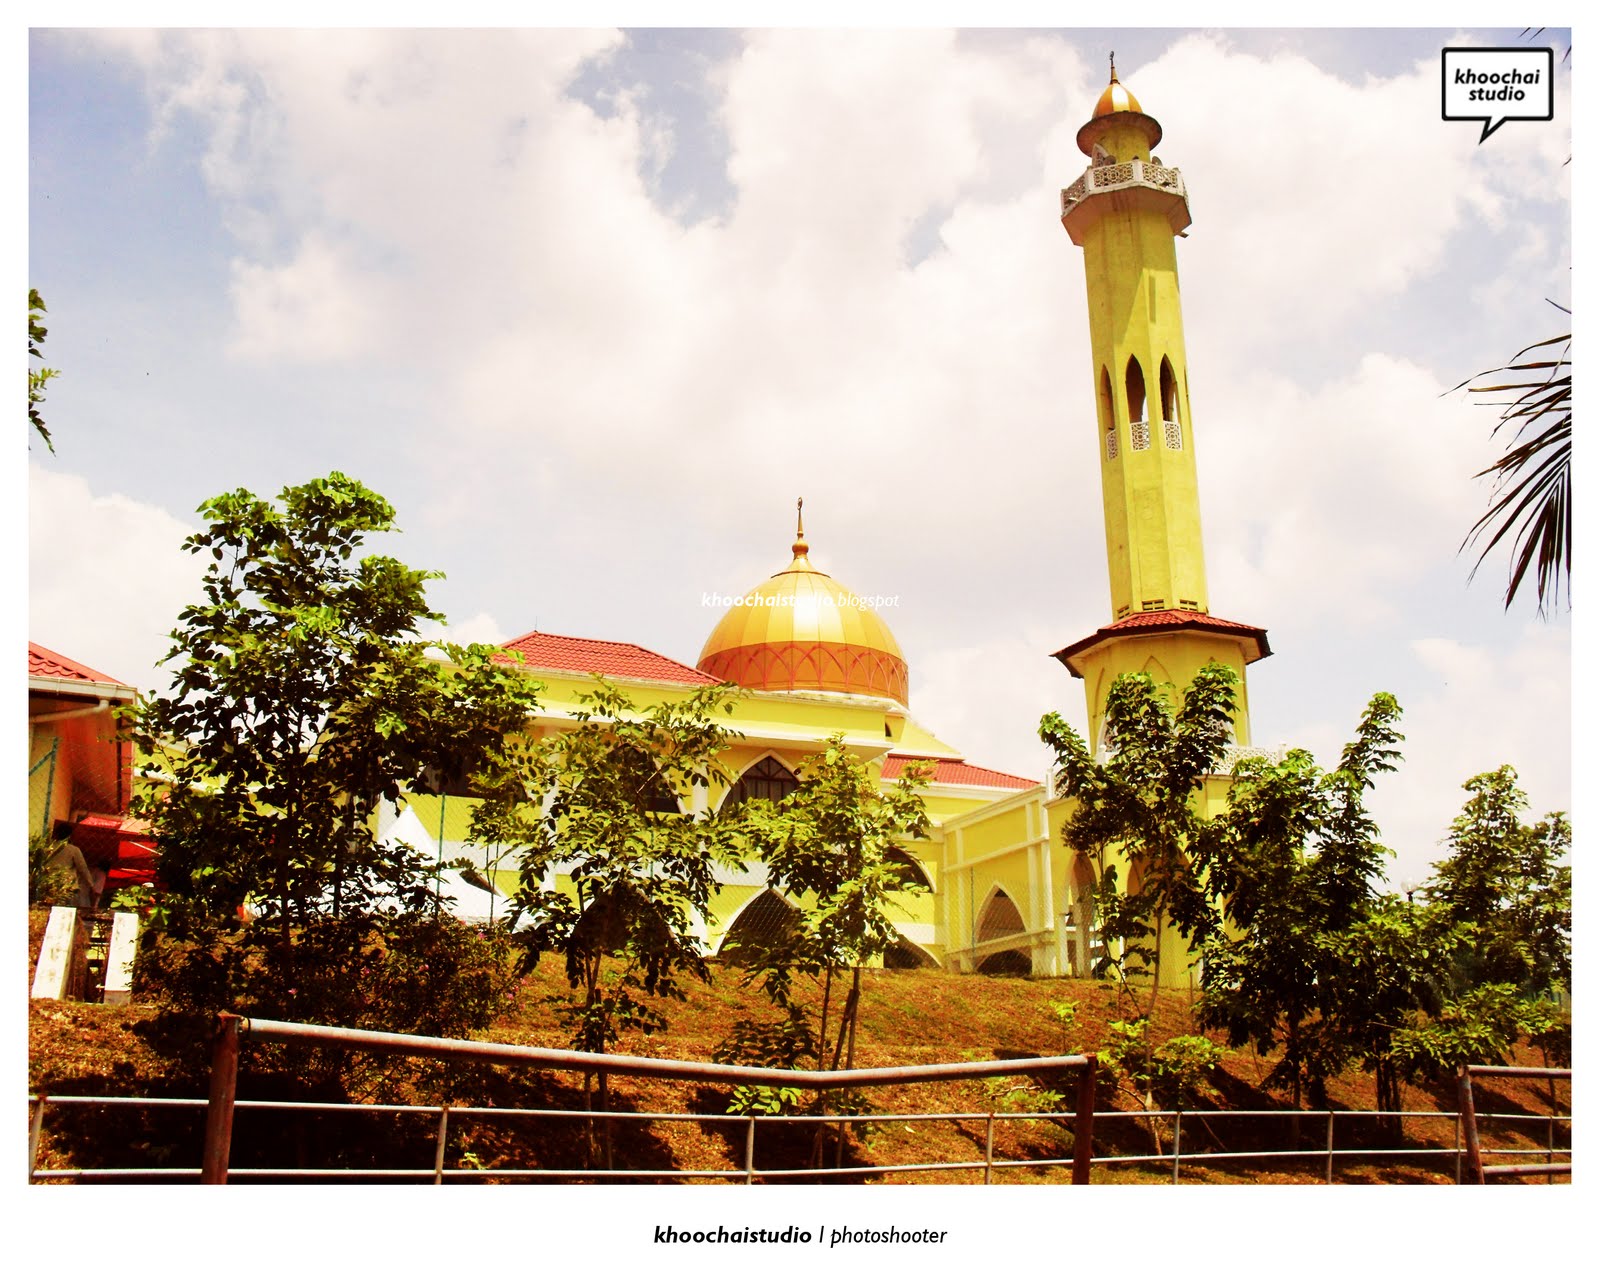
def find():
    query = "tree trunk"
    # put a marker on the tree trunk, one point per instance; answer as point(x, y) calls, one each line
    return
point(853, 1007)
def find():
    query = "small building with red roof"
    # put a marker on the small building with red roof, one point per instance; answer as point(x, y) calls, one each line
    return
point(79, 768)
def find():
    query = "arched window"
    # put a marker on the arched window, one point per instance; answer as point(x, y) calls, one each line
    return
point(766, 779)
point(1108, 414)
point(1135, 390)
point(1171, 427)
point(1138, 425)
point(912, 873)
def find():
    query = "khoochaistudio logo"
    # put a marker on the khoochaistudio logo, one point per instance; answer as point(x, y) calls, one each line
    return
point(1497, 85)
point(844, 598)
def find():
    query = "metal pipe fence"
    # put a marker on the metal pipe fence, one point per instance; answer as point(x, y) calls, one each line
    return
point(989, 1164)
point(1083, 1123)
point(1470, 1118)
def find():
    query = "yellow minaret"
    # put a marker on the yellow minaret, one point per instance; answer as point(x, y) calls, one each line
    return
point(1125, 211)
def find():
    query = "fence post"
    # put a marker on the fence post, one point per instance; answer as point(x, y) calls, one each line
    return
point(1457, 1146)
point(1177, 1142)
point(219, 1112)
point(438, 1152)
point(988, 1150)
point(1329, 1176)
point(750, 1151)
point(1469, 1122)
point(33, 1134)
point(1083, 1122)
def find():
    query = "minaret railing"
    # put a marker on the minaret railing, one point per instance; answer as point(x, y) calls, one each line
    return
point(1129, 174)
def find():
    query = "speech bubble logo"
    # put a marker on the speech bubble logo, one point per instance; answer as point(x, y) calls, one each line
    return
point(1498, 85)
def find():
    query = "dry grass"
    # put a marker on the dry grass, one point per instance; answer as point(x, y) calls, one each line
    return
point(909, 1017)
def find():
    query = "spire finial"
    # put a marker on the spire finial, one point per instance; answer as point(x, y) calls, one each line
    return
point(800, 547)
point(1113, 65)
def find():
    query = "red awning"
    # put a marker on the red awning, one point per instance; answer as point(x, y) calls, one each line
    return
point(123, 844)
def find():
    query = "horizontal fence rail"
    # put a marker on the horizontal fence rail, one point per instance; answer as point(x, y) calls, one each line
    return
point(231, 1028)
point(1083, 1123)
point(1469, 1117)
point(445, 1115)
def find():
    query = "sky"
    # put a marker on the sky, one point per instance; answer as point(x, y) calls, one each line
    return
point(592, 308)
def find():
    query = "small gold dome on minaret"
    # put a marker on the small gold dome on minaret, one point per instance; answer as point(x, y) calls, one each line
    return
point(1120, 121)
point(1116, 98)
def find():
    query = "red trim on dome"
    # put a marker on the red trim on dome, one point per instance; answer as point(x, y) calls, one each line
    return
point(812, 667)
point(957, 772)
point(569, 654)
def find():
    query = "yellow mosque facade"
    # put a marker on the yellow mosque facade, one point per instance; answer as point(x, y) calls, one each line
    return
point(1000, 891)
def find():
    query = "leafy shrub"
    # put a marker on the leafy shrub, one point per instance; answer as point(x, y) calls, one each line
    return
point(48, 884)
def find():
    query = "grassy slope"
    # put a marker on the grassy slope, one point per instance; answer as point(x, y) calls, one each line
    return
point(911, 1017)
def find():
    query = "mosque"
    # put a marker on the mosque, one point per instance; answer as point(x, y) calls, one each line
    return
point(999, 890)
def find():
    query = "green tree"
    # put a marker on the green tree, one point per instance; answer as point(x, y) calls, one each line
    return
point(303, 699)
point(601, 807)
point(1383, 974)
point(1507, 886)
point(37, 379)
point(1140, 803)
point(1294, 861)
point(1480, 1026)
point(1170, 1072)
point(832, 850)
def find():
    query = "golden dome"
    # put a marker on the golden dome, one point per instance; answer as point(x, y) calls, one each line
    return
point(1116, 112)
point(1116, 99)
point(802, 631)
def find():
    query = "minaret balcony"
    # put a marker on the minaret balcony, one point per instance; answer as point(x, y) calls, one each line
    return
point(1128, 185)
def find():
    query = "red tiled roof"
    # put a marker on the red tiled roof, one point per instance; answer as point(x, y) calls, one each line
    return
point(1145, 620)
point(1164, 619)
point(45, 664)
point(957, 772)
point(597, 656)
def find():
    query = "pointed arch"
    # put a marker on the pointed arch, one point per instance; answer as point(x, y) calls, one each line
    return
point(1169, 391)
point(1108, 414)
point(764, 920)
point(1000, 917)
point(767, 778)
point(1082, 941)
point(1134, 380)
point(1157, 671)
point(1171, 421)
point(916, 874)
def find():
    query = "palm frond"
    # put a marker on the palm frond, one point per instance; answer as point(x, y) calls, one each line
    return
point(1531, 505)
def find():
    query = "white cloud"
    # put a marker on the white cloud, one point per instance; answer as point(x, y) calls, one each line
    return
point(600, 387)
point(107, 577)
point(1330, 500)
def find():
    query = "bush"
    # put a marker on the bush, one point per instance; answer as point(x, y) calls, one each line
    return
point(427, 974)
point(48, 884)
